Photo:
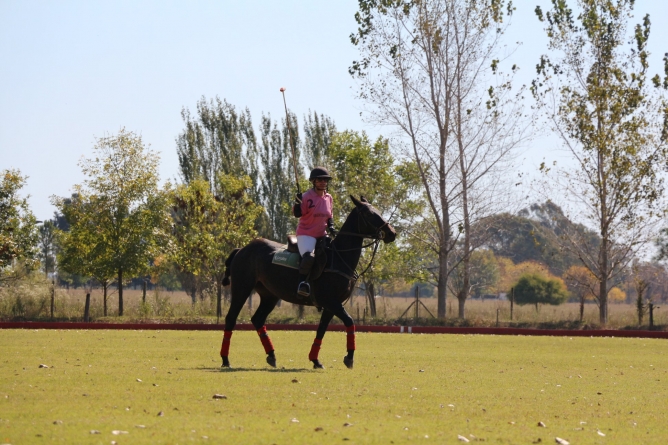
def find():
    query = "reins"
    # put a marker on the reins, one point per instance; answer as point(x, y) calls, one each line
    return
point(377, 237)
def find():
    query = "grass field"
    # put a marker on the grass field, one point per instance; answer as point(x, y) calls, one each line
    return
point(158, 386)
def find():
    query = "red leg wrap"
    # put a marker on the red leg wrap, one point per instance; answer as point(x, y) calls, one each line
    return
point(315, 350)
point(225, 348)
point(350, 335)
point(264, 338)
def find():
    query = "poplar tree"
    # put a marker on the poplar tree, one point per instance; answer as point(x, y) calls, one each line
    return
point(218, 139)
point(278, 187)
point(613, 120)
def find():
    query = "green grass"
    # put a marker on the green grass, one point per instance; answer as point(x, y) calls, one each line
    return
point(403, 388)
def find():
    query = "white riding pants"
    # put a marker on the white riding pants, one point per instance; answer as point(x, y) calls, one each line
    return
point(305, 244)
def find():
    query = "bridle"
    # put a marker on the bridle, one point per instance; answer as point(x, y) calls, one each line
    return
point(377, 237)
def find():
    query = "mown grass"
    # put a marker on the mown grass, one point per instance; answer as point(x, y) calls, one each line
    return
point(404, 389)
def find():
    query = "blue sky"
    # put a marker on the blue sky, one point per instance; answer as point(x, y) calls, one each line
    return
point(71, 71)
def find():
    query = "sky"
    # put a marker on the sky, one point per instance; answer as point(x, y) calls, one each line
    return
point(73, 71)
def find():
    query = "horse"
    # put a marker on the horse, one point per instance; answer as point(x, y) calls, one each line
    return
point(251, 269)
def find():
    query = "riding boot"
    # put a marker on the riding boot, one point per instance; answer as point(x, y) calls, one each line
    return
point(304, 288)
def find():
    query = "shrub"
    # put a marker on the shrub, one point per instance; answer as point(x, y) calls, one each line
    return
point(535, 289)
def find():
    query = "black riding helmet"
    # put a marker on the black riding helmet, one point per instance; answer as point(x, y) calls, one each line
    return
point(319, 173)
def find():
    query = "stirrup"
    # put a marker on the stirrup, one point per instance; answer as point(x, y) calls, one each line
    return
point(304, 289)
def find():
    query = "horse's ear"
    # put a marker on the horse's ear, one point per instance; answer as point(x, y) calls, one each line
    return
point(356, 201)
point(363, 199)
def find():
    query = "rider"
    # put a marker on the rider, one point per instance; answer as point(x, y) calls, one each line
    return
point(314, 210)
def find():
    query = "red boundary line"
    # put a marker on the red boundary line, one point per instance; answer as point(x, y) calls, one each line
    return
point(336, 327)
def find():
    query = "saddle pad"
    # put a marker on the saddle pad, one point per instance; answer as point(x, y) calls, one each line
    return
point(287, 259)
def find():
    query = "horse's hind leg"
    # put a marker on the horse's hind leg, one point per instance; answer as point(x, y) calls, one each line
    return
point(325, 318)
point(239, 297)
point(267, 304)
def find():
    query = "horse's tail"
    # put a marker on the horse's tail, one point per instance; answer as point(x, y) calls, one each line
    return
point(228, 263)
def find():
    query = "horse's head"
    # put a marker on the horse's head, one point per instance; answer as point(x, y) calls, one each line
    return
point(371, 223)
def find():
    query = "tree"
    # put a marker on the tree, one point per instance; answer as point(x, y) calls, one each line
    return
point(535, 289)
point(597, 96)
point(430, 69)
point(535, 234)
point(483, 274)
point(616, 295)
point(278, 183)
point(122, 207)
point(318, 134)
point(18, 230)
point(582, 284)
point(61, 225)
point(510, 272)
point(206, 227)
point(221, 140)
point(47, 246)
point(363, 167)
point(84, 249)
point(218, 140)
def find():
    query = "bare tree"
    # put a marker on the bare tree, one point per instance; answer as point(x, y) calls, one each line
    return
point(430, 69)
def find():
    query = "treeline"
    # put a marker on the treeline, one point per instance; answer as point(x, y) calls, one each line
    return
point(236, 184)
point(120, 225)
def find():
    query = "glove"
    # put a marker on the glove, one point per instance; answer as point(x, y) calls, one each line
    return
point(330, 228)
point(297, 206)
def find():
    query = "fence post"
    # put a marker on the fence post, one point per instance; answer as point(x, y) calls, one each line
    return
point(53, 297)
point(87, 308)
point(143, 295)
point(512, 302)
point(497, 317)
point(417, 303)
point(651, 315)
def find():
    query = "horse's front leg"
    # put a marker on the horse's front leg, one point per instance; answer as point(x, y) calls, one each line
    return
point(337, 309)
point(350, 345)
point(325, 318)
point(267, 304)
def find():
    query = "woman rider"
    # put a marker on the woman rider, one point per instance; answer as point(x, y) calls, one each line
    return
point(314, 210)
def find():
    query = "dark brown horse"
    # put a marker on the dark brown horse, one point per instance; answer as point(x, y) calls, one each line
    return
point(251, 269)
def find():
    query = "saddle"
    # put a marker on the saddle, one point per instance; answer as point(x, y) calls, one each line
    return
point(292, 244)
point(289, 257)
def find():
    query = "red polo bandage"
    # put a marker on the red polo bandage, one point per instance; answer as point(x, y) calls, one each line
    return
point(315, 350)
point(350, 335)
point(264, 338)
point(225, 348)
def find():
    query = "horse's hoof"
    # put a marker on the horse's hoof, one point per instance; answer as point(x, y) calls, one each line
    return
point(317, 364)
point(348, 362)
point(226, 363)
point(271, 361)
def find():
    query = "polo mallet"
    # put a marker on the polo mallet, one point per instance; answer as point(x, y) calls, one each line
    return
point(292, 144)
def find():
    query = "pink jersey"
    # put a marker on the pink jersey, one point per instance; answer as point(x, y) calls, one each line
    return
point(316, 211)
